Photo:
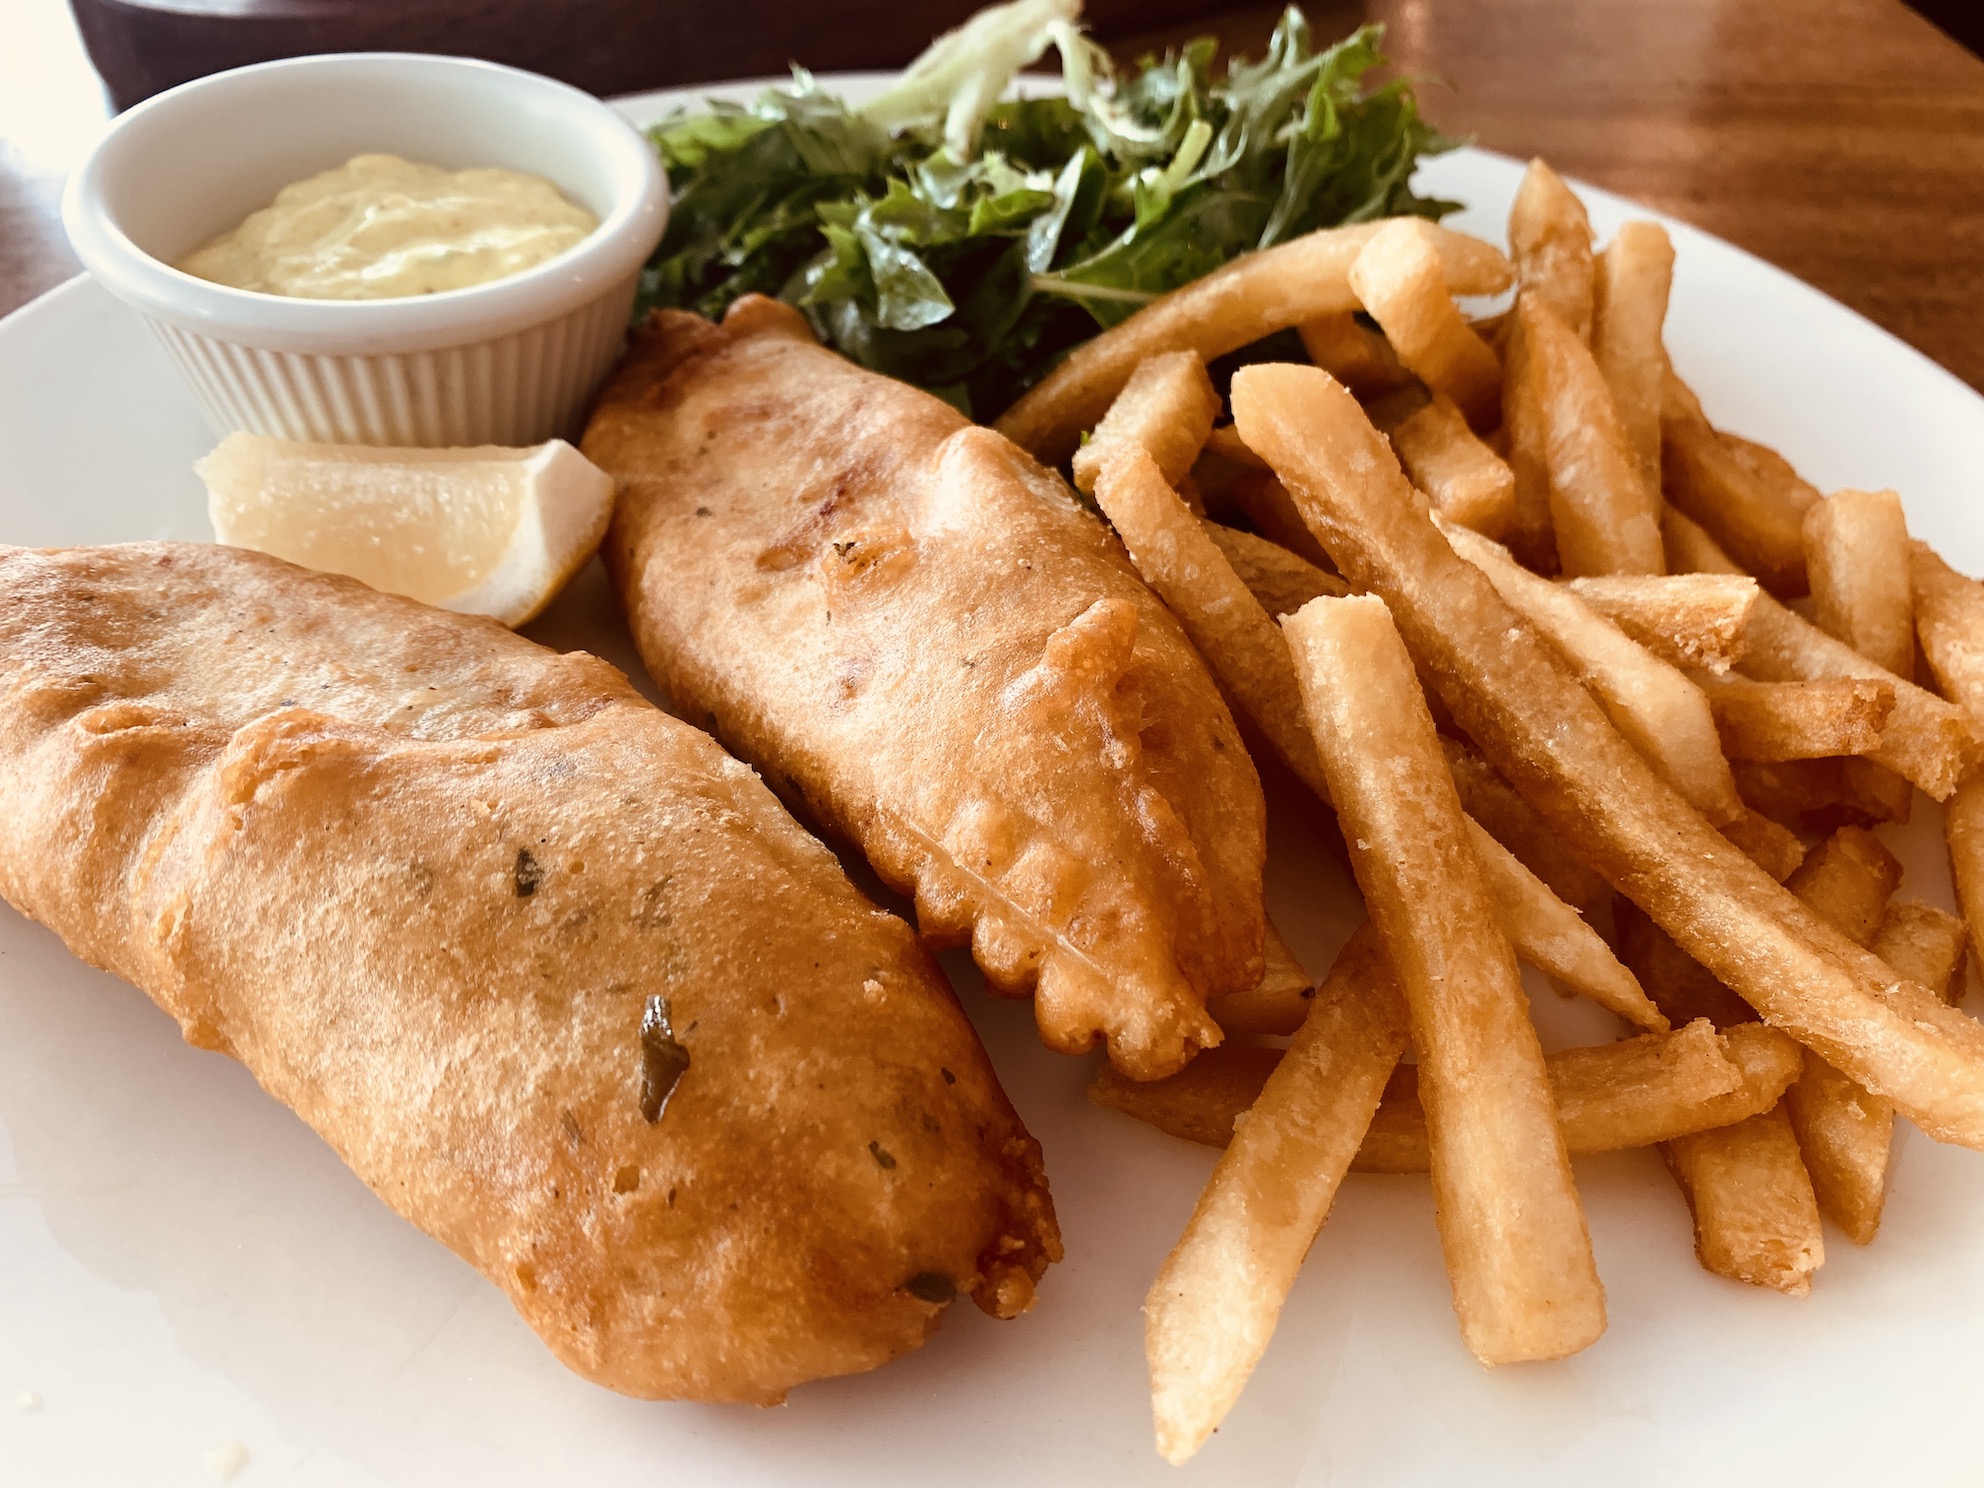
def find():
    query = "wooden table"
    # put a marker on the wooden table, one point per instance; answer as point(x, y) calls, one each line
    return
point(1840, 139)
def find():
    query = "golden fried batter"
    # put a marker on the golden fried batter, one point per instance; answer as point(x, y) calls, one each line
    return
point(919, 636)
point(557, 978)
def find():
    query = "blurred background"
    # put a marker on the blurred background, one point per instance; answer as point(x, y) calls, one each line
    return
point(1841, 139)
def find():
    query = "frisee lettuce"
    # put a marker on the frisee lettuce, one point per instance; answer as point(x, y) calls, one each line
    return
point(964, 244)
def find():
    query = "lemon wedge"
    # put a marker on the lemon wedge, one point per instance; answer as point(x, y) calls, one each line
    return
point(482, 531)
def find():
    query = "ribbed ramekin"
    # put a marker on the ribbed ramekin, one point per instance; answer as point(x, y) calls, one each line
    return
point(508, 362)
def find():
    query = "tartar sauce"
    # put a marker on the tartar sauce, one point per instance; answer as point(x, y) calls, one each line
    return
point(381, 228)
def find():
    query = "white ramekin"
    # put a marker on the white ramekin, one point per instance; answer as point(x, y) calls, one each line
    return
point(509, 362)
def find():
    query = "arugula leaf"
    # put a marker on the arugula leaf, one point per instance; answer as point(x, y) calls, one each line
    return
point(908, 296)
point(966, 244)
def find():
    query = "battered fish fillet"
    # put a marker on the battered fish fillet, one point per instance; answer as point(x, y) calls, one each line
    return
point(557, 978)
point(921, 639)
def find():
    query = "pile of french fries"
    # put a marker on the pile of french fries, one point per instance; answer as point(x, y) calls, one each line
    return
point(1562, 658)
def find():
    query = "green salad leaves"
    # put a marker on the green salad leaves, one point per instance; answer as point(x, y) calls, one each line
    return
point(964, 244)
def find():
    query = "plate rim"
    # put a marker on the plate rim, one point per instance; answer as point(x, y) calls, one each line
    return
point(57, 301)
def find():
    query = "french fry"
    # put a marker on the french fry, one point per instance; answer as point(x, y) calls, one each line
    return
point(1755, 1216)
point(1264, 503)
point(1690, 550)
point(1636, 1092)
point(1606, 517)
point(1179, 558)
point(1856, 559)
point(1551, 936)
point(1849, 879)
point(1873, 790)
point(1554, 938)
point(1388, 410)
point(1354, 354)
point(1929, 741)
point(1215, 473)
point(1399, 279)
point(1494, 803)
point(1680, 986)
point(1168, 407)
point(1239, 303)
point(1773, 848)
point(1490, 328)
point(1963, 834)
point(1214, 1304)
point(1522, 706)
point(1949, 621)
point(1550, 240)
point(1226, 443)
point(1525, 445)
point(1635, 272)
point(1847, 1173)
point(1776, 472)
point(1844, 1132)
point(1775, 721)
point(1279, 1004)
point(1845, 1135)
point(1257, 497)
point(1465, 480)
point(1659, 710)
point(1756, 1219)
point(1821, 795)
point(1750, 519)
point(1201, 1102)
point(1924, 944)
point(1282, 581)
point(1688, 619)
point(1747, 1190)
point(1518, 1253)
point(1797, 793)
point(1769, 1061)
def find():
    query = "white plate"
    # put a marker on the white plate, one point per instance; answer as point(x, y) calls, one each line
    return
point(184, 1268)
